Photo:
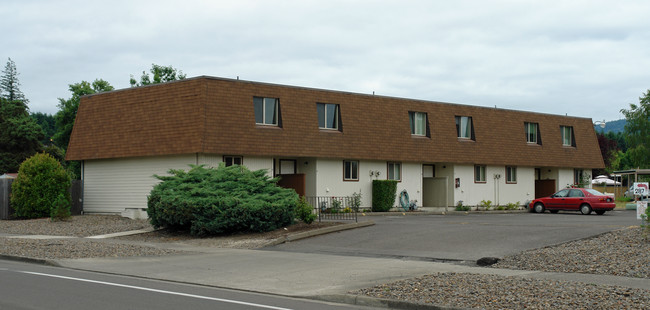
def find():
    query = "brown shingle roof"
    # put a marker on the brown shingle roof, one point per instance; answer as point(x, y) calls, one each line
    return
point(214, 115)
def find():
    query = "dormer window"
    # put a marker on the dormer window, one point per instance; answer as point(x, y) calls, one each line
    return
point(568, 139)
point(464, 127)
point(419, 124)
point(532, 133)
point(267, 111)
point(328, 116)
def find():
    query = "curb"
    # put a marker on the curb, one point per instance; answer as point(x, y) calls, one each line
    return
point(450, 212)
point(317, 232)
point(366, 301)
point(30, 260)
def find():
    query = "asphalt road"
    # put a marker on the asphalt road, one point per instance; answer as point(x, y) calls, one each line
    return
point(461, 237)
point(28, 286)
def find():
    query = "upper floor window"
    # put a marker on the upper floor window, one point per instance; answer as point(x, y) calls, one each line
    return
point(350, 170)
point(232, 160)
point(395, 171)
point(567, 136)
point(328, 116)
point(479, 174)
point(532, 133)
point(418, 123)
point(267, 111)
point(464, 127)
point(511, 174)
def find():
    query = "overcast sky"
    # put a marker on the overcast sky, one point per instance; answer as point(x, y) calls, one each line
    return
point(582, 58)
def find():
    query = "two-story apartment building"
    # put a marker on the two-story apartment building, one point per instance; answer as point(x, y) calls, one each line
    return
point(324, 143)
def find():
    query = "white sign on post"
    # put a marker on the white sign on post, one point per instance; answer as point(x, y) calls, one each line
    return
point(641, 206)
point(640, 189)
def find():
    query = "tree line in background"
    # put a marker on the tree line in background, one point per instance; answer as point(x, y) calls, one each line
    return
point(629, 149)
point(23, 134)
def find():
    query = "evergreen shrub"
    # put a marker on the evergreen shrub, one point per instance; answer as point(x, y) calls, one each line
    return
point(384, 193)
point(208, 201)
point(41, 189)
point(304, 211)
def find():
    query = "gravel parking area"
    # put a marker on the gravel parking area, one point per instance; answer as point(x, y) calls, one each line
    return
point(497, 292)
point(621, 253)
point(75, 248)
point(77, 226)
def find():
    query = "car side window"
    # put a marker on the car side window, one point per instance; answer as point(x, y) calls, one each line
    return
point(561, 193)
point(576, 193)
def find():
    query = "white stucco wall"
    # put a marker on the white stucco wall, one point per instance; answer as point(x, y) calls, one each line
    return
point(564, 178)
point(329, 180)
point(495, 190)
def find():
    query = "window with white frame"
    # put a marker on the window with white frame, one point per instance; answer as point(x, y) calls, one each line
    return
point(511, 174)
point(464, 127)
point(479, 174)
point(350, 170)
point(267, 111)
point(532, 133)
point(395, 171)
point(328, 116)
point(567, 136)
point(418, 122)
point(232, 160)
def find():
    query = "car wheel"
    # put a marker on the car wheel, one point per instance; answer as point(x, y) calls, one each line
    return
point(585, 209)
point(600, 212)
point(555, 211)
point(538, 208)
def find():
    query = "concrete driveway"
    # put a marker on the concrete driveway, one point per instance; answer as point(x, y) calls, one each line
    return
point(460, 237)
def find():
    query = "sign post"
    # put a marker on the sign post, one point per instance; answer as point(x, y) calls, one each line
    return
point(641, 206)
point(641, 189)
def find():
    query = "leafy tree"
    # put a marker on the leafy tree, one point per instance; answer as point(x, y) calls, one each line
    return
point(9, 84)
point(161, 74)
point(41, 189)
point(47, 123)
point(637, 132)
point(64, 118)
point(20, 135)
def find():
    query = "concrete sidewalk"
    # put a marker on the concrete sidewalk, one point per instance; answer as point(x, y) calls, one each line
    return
point(301, 274)
point(317, 276)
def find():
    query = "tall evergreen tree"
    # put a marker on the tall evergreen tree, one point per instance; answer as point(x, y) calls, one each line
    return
point(9, 84)
point(20, 135)
point(46, 121)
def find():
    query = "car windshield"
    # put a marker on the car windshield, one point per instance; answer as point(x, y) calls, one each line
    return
point(594, 192)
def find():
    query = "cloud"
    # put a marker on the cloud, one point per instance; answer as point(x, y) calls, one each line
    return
point(583, 58)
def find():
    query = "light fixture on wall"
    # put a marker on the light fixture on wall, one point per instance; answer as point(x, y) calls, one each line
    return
point(372, 173)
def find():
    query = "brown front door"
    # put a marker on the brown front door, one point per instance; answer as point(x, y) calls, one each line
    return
point(544, 188)
point(295, 181)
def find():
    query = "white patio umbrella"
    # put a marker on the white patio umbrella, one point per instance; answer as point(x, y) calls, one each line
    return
point(603, 179)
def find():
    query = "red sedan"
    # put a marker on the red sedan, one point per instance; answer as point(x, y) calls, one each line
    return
point(574, 199)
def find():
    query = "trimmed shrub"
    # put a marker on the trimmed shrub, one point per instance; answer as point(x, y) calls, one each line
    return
point(304, 211)
point(383, 195)
point(60, 208)
point(208, 201)
point(41, 188)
